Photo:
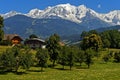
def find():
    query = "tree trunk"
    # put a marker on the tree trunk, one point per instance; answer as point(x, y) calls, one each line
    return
point(17, 66)
point(63, 67)
point(80, 64)
point(88, 66)
point(70, 67)
point(41, 69)
point(53, 63)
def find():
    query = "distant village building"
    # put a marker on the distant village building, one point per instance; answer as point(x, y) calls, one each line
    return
point(35, 43)
point(14, 39)
point(119, 30)
point(62, 43)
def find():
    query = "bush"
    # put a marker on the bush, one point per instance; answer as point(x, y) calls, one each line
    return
point(117, 57)
point(106, 58)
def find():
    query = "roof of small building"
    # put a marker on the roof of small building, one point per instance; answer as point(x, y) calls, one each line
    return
point(11, 36)
point(35, 39)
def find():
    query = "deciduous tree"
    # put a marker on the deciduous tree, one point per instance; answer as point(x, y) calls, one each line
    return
point(63, 56)
point(1, 28)
point(89, 55)
point(93, 41)
point(80, 56)
point(71, 57)
point(42, 57)
point(13, 58)
point(53, 46)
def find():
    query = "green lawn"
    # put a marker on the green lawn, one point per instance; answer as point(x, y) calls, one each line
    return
point(97, 71)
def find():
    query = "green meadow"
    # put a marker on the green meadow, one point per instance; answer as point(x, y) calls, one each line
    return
point(109, 71)
point(98, 71)
point(3, 48)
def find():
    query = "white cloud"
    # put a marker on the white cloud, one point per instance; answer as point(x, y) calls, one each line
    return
point(99, 6)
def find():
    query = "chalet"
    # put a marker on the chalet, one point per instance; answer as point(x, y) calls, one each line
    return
point(62, 43)
point(13, 38)
point(119, 30)
point(35, 43)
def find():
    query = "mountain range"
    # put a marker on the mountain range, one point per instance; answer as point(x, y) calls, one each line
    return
point(63, 19)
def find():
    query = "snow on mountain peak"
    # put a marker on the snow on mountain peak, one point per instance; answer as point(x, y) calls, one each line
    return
point(82, 7)
point(69, 12)
point(111, 17)
point(35, 10)
point(34, 13)
point(65, 11)
point(49, 7)
point(64, 5)
point(9, 14)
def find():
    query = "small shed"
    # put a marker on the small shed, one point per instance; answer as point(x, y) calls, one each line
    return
point(35, 43)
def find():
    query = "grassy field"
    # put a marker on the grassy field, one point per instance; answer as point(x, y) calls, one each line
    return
point(3, 48)
point(109, 71)
point(97, 71)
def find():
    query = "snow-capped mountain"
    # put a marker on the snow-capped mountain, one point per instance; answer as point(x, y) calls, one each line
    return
point(10, 14)
point(64, 11)
point(34, 13)
point(75, 14)
point(70, 12)
point(111, 17)
point(63, 19)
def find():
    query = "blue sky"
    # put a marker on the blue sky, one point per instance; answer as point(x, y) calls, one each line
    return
point(23, 6)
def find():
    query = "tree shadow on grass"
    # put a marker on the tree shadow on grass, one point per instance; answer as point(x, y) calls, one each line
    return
point(6, 72)
point(3, 72)
point(62, 69)
point(19, 73)
point(36, 66)
point(51, 66)
point(36, 70)
point(81, 67)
